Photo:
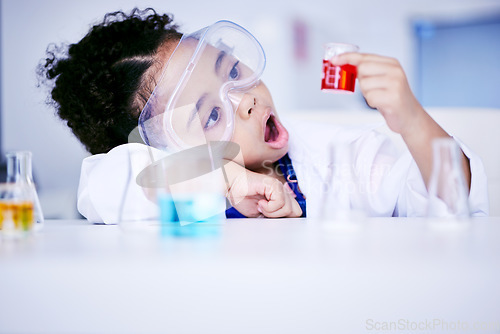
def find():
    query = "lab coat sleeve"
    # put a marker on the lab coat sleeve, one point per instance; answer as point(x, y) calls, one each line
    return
point(345, 168)
point(108, 190)
point(84, 202)
point(383, 180)
point(478, 194)
point(402, 178)
point(379, 177)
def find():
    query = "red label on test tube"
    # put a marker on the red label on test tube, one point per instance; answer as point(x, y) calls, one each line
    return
point(338, 77)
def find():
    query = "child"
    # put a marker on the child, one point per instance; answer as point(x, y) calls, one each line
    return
point(128, 69)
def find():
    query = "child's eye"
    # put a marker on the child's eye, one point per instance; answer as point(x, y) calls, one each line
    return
point(213, 118)
point(235, 72)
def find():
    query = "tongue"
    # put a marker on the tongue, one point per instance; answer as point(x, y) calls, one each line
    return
point(271, 131)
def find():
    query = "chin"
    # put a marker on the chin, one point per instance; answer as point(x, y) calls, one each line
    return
point(265, 159)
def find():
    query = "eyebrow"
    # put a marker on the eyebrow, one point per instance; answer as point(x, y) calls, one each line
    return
point(196, 109)
point(218, 62)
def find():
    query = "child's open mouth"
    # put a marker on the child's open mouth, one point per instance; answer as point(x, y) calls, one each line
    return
point(275, 133)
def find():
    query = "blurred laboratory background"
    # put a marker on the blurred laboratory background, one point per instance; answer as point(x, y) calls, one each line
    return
point(450, 50)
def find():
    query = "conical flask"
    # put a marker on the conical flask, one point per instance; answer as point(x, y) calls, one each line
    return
point(19, 171)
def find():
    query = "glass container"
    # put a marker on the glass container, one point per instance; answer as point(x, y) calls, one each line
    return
point(19, 171)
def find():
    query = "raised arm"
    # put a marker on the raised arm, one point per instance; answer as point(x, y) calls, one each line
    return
point(385, 87)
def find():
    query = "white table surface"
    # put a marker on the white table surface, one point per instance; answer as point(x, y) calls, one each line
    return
point(256, 276)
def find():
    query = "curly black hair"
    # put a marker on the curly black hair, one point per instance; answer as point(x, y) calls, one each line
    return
point(98, 82)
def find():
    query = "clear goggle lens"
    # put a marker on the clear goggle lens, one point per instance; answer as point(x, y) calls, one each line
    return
point(200, 87)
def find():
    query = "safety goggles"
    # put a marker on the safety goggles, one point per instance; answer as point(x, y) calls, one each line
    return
point(201, 86)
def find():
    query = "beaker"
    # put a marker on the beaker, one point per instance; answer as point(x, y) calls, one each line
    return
point(338, 79)
point(175, 193)
point(19, 171)
point(16, 209)
point(341, 185)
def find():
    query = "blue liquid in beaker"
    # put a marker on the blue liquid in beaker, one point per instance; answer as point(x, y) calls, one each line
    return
point(193, 215)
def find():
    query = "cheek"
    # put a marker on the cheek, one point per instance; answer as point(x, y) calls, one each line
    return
point(247, 142)
point(242, 139)
point(243, 134)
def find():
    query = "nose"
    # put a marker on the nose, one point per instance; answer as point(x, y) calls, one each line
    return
point(243, 103)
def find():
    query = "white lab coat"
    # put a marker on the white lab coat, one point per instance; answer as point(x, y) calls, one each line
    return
point(369, 175)
point(374, 179)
